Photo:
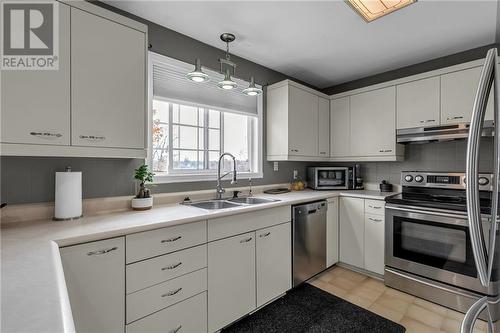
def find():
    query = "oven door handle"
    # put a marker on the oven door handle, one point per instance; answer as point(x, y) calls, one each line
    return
point(472, 189)
point(427, 212)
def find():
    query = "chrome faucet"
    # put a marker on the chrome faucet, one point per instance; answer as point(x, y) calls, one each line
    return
point(219, 191)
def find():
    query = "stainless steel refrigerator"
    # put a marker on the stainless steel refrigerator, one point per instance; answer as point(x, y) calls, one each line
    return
point(485, 245)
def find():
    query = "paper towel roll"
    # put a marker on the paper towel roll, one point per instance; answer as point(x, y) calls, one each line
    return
point(68, 195)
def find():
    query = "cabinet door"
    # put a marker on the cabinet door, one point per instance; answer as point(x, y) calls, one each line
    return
point(332, 232)
point(95, 279)
point(458, 90)
point(340, 133)
point(107, 82)
point(303, 122)
point(373, 122)
point(417, 103)
point(352, 231)
point(274, 262)
point(231, 279)
point(35, 104)
point(374, 243)
point(323, 127)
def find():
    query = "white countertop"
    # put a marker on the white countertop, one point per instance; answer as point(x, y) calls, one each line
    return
point(33, 291)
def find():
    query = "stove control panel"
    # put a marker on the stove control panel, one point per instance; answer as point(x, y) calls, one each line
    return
point(443, 180)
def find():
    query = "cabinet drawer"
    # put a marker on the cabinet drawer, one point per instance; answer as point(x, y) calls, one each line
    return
point(238, 224)
point(187, 316)
point(152, 271)
point(153, 243)
point(149, 300)
point(376, 207)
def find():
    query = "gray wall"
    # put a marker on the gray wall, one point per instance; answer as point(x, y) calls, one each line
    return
point(31, 179)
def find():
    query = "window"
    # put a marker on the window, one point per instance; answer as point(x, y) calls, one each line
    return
point(189, 136)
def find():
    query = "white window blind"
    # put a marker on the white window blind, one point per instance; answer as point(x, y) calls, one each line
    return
point(169, 81)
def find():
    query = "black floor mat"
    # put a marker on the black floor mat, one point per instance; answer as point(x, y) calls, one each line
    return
point(309, 309)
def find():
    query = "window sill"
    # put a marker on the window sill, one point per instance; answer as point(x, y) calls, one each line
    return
point(184, 178)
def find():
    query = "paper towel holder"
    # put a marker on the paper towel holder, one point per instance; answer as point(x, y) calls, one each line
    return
point(67, 169)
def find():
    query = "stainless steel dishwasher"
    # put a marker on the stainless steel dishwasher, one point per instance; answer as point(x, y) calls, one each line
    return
point(309, 240)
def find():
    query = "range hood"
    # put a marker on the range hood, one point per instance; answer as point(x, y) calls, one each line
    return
point(440, 133)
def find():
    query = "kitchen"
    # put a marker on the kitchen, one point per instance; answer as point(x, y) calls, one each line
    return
point(231, 177)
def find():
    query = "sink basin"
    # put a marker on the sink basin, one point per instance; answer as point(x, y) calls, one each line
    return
point(213, 204)
point(252, 200)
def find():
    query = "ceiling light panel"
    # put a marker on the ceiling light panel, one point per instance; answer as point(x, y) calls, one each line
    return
point(373, 9)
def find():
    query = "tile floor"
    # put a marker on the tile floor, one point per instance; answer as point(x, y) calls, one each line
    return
point(417, 315)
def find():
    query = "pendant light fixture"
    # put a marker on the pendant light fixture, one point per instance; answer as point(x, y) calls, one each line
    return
point(227, 64)
point(252, 90)
point(197, 75)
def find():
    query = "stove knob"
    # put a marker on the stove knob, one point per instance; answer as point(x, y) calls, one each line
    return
point(483, 181)
point(419, 179)
point(408, 178)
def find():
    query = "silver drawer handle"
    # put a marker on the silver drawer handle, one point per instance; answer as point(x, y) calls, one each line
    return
point(170, 240)
point(172, 292)
point(374, 220)
point(455, 117)
point(295, 150)
point(104, 251)
point(427, 121)
point(172, 266)
point(374, 207)
point(92, 137)
point(246, 240)
point(46, 134)
point(322, 152)
point(265, 235)
point(175, 330)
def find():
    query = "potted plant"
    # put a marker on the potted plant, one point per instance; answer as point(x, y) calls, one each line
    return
point(143, 200)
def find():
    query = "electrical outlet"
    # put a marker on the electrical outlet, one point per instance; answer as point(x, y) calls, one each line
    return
point(275, 166)
point(295, 174)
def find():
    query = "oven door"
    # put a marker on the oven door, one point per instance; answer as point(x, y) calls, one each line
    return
point(434, 244)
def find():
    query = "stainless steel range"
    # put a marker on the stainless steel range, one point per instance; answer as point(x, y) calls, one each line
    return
point(429, 248)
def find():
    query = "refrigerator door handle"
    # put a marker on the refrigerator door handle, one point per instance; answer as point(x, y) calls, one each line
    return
point(473, 314)
point(472, 190)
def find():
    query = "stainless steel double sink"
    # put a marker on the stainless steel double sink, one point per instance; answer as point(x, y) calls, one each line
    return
point(229, 203)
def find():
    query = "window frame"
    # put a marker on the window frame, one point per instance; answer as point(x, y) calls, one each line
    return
point(255, 140)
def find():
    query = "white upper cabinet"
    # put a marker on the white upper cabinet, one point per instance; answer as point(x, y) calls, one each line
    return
point(297, 123)
point(340, 128)
point(323, 127)
point(417, 103)
point(458, 90)
point(108, 82)
point(373, 123)
point(35, 104)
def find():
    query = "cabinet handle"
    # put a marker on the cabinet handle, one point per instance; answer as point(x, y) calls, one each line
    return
point(172, 266)
point(427, 121)
point(246, 240)
point(385, 150)
point(322, 152)
point(375, 207)
point(92, 137)
point(175, 330)
point(265, 235)
point(455, 118)
point(46, 135)
point(374, 220)
point(104, 251)
point(172, 292)
point(170, 240)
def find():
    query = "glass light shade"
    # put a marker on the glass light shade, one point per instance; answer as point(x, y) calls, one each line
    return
point(252, 90)
point(227, 83)
point(373, 9)
point(197, 75)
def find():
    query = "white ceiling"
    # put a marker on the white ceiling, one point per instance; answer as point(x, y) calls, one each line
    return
point(324, 42)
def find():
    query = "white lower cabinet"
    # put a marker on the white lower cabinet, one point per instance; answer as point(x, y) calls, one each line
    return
point(274, 262)
point(374, 243)
point(95, 279)
point(352, 231)
point(187, 316)
point(332, 232)
point(231, 279)
point(362, 233)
